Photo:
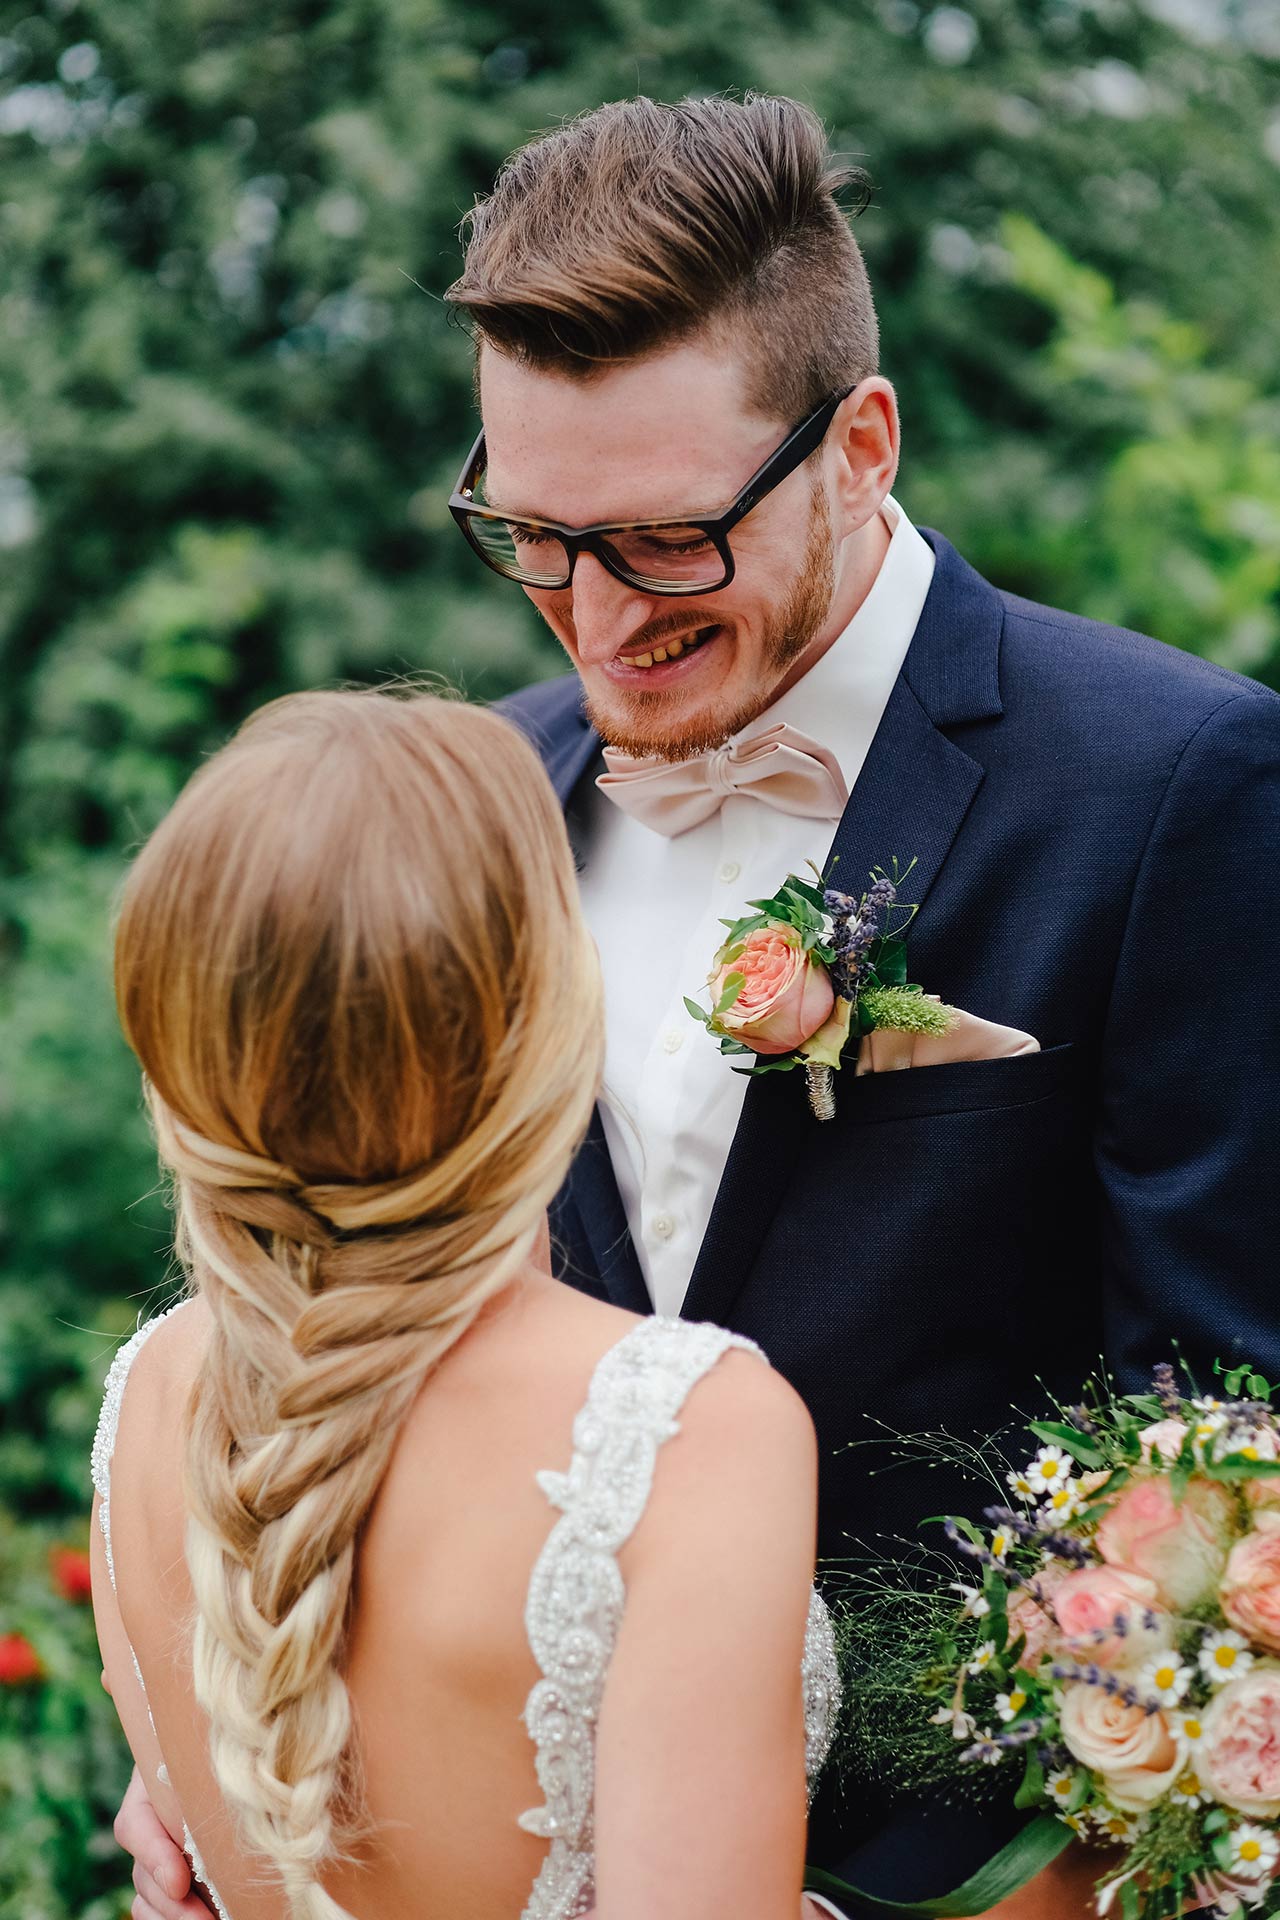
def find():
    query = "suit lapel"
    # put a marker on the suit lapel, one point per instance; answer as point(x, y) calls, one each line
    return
point(567, 753)
point(910, 800)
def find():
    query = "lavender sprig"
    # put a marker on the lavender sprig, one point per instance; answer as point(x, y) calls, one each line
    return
point(1110, 1683)
point(993, 1746)
point(856, 929)
point(1063, 1546)
point(1166, 1392)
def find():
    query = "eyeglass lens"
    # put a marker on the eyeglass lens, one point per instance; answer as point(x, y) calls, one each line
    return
point(651, 556)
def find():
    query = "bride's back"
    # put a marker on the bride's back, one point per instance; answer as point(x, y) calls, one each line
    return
point(439, 1665)
point(352, 965)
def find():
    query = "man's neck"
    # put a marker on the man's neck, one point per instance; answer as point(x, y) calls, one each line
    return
point(860, 563)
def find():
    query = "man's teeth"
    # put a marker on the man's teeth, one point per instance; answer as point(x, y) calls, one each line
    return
point(672, 650)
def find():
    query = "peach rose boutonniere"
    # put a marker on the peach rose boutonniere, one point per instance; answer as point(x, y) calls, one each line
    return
point(810, 969)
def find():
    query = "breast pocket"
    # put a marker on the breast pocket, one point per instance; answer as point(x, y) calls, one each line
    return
point(963, 1086)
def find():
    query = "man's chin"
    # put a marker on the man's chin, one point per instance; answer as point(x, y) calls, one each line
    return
point(649, 726)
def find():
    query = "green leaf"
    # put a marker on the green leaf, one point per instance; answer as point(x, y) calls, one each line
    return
point(729, 1045)
point(1031, 1792)
point(1258, 1388)
point(1026, 1855)
point(1180, 1473)
point(1071, 1440)
point(807, 890)
point(734, 983)
point(700, 1014)
point(889, 958)
point(1117, 1478)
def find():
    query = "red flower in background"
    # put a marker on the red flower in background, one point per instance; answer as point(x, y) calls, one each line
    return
point(70, 1570)
point(19, 1661)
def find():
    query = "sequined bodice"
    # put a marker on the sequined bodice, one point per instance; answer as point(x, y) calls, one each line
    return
point(576, 1595)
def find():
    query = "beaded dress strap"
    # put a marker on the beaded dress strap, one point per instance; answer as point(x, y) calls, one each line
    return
point(576, 1594)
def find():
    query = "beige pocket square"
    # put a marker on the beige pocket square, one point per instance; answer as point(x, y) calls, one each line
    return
point(968, 1038)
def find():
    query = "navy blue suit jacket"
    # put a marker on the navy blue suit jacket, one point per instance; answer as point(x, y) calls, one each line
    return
point(1096, 819)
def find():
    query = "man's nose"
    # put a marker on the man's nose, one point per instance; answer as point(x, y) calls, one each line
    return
point(604, 611)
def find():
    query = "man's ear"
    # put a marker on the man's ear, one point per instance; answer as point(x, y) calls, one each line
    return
point(864, 444)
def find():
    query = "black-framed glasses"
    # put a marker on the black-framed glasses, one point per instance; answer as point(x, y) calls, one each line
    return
point(686, 555)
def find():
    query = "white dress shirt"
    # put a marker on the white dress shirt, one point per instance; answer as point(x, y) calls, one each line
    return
point(670, 1102)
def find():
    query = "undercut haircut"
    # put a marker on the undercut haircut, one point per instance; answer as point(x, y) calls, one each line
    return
point(639, 226)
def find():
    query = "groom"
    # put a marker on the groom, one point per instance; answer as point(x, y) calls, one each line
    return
point(674, 326)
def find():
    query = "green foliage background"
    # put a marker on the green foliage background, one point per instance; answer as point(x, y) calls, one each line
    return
point(231, 406)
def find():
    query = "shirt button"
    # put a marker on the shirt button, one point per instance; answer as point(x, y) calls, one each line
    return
point(663, 1225)
point(672, 1042)
point(730, 871)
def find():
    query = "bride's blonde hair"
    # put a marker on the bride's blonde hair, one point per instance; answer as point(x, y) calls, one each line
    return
point(352, 965)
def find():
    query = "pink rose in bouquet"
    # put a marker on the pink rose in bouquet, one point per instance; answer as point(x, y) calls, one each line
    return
point(1251, 1583)
point(1093, 1600)
point(1134, 1751)
point(786, 995)
point(1181, 1546)
point(1239, 1754)
point(1028, 1618)
point(1163, 1441)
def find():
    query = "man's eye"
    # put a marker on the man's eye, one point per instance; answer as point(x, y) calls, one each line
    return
point(679, 543)
point(529, 536)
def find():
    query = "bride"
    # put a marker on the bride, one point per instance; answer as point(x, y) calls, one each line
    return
point(427, 1585)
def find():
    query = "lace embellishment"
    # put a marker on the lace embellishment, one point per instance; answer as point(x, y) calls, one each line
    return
point(104, 1446)
point(576, 1595)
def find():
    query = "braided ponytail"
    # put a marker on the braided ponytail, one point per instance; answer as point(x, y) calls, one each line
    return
point(351, 963)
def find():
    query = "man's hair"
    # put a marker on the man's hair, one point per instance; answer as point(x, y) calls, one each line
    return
point(639, 225)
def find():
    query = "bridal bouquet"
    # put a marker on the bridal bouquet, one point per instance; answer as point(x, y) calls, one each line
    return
point(809, 969)
point(1119, 1642)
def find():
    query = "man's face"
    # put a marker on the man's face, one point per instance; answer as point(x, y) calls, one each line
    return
point(670, 435)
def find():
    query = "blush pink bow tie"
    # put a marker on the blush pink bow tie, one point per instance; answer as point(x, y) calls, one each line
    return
point(780, 765)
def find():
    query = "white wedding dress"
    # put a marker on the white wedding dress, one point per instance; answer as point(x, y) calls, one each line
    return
point(576, 1594)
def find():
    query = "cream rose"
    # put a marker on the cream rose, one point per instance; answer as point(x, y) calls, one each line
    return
point(1135, 1752)
point(1182, 1547)
point(1239, 1755)
point(786, 995)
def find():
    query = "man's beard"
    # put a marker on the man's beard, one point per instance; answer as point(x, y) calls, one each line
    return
point(641, 724)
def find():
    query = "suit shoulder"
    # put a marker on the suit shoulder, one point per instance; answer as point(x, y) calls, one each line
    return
point(1046, 651)
point(546, 710)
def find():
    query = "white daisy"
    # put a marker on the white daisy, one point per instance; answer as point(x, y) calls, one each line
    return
point(975, 1605)
point(1021, 1485)
point(1000, 1543)
point(1165, 1678)
point(1114, 1826)
point(1063, 1504)
point(1050, 1470)
point(1077, 1824)
point(982, 1658)
point(1188, 1727)
point(1009, 1705)
point(1061, 1787)
point(1224, 1656)
point(1188, 1790)
point(1254, 1851)
point(1208, 1405)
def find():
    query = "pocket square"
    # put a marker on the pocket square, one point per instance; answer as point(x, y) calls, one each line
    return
point(967, 1038)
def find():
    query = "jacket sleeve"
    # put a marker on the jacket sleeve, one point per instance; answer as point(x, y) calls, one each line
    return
point(1187, 1140)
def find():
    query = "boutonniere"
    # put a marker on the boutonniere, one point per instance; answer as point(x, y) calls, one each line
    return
point(812, 970)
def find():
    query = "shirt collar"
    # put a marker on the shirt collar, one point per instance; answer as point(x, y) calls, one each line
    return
point(841, 699)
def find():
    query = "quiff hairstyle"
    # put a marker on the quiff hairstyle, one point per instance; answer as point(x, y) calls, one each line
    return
point(638, 226)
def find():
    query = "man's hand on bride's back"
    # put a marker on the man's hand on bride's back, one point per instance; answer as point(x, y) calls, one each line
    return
point(161, 1876)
